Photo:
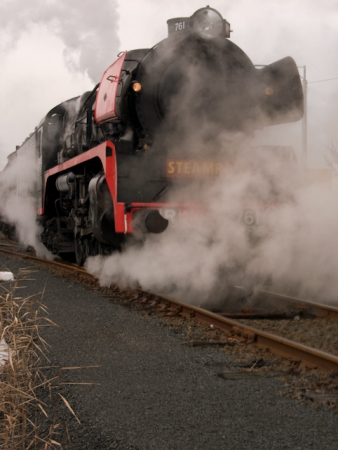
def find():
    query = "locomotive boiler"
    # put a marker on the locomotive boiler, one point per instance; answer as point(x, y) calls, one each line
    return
point(108, 158)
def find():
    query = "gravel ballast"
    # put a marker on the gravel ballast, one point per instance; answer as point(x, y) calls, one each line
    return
point(154, 391)
point(318, 333)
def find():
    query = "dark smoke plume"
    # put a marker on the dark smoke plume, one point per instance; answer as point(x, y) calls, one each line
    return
point(87, 28)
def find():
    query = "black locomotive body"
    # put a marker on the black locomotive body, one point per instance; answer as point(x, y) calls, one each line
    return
point(108, 158)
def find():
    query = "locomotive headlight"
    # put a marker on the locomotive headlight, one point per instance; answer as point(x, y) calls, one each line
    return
point(269, 91)
point(136, 86)
point(207, 23)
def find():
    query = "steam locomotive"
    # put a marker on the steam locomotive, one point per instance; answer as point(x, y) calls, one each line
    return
point(108, 160)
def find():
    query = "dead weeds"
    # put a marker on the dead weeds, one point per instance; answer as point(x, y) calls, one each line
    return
point(23, 368)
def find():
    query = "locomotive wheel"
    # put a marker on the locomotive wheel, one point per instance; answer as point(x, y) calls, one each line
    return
point(79, 252)
point(91, 243)
point(94, 247)
point(69, 256)
point(86, 249)
point(101, 249)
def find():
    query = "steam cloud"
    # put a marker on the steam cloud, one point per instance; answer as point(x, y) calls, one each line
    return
point(87, 28)
point(18, 185)
point(291, 247)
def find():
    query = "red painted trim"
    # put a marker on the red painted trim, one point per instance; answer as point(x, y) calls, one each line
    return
point(168, 205)
point(99, 151)
point(109, 168)
point(122, 219)
point(105, 103)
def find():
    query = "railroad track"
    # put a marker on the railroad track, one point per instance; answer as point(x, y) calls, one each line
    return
point(59, 264)
point(227, 321)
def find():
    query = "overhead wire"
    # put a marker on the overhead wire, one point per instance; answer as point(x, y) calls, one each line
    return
point(320, 81)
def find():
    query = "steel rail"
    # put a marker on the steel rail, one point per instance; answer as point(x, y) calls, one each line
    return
point(51, 262)
point(294, 303)
point(279, 345)
point(316, 309)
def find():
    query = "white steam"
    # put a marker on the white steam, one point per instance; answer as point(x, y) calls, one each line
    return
point(302, 251)
point(293, 247)
point(87, 28)
point(18, 202)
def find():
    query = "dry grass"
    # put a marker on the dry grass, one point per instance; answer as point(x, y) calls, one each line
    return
point(22, 376)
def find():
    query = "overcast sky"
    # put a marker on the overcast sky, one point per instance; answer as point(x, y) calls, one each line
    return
point(54, 50)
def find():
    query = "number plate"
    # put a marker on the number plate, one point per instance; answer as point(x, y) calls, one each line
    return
point(180, 26)
point(171, 214)
point(249, 217)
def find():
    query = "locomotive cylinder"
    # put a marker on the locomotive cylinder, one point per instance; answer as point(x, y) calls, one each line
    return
point(65, 182)
point(149, 221)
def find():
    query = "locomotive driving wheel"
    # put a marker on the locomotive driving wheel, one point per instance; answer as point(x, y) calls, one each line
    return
point(79, 251)
point(96, 248)
point(86, 249)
